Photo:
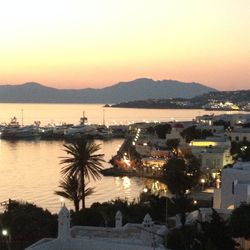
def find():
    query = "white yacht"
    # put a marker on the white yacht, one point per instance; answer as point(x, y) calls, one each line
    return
point(15, 131)
point(81, 129)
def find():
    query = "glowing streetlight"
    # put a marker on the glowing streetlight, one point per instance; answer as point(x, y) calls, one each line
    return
point(202, 183)
point(7, 237)
point(4, 232)
point(145, 190)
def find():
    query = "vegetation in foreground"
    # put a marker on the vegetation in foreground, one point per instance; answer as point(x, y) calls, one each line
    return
point(26, 223)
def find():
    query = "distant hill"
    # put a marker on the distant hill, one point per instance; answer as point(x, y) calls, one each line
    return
point(140, 89)
point(236, 96)
point(239, 97)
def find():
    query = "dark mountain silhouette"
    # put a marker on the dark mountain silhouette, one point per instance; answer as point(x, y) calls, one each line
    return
point(140, 89)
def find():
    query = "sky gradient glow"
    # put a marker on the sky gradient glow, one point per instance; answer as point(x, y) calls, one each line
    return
point(95, 43)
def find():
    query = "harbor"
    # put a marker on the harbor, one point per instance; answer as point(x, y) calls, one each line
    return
point(65, 131)
point(30, 169)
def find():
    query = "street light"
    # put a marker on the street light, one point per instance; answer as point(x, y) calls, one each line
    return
point(202, 183)
point(4, 232)
point(6, 235)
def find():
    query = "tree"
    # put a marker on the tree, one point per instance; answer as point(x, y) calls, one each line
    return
point(181, 175)
point(83, 161)
point(175, 176)
point(27, 223)
point(151, 130)
point(216, 234)
point(173, 145)
point(192, 133)
point(183, 238)
point(162, 129)
point(193, 170)
point(71, 190)
point(240, 221)
point(241, 150)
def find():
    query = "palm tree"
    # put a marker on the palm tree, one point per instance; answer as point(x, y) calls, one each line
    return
point(71, 190)
point(83, 161)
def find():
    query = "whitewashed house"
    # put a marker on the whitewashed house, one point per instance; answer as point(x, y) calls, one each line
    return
point(214, 152)
point(235, 186)
point(143, 236)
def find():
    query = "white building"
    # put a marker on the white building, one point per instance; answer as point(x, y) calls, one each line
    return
point(239, 134)
point(238, 118)
point(235, 186)
point(235, 189)
point(143, 236)
point(214, 152)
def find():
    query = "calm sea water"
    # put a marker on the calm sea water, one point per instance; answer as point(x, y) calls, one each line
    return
point(30, 170)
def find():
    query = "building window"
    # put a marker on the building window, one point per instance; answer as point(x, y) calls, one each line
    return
point(236, 138)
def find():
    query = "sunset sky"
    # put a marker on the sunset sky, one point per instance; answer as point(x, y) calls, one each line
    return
point(96, 43)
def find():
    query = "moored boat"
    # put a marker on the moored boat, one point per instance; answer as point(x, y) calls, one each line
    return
point(14, 131)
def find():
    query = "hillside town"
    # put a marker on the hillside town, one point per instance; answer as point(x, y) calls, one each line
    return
point(218, 100)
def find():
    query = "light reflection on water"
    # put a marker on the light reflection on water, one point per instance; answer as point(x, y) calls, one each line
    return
point(126, 182)
point(30, 171)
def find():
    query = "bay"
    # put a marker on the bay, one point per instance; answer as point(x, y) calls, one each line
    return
point(30, 170)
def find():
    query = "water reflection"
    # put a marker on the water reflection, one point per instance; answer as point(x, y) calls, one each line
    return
point(126, 182)
point(30, 171)
point(155, 187)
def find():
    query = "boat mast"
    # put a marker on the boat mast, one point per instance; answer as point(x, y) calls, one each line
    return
point(83, 119)
point(103, 117)
point(22, 116)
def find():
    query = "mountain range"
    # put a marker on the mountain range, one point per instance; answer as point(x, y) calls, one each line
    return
point(139, 89)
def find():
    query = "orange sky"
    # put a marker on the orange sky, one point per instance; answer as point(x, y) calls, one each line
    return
point(95, 43)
